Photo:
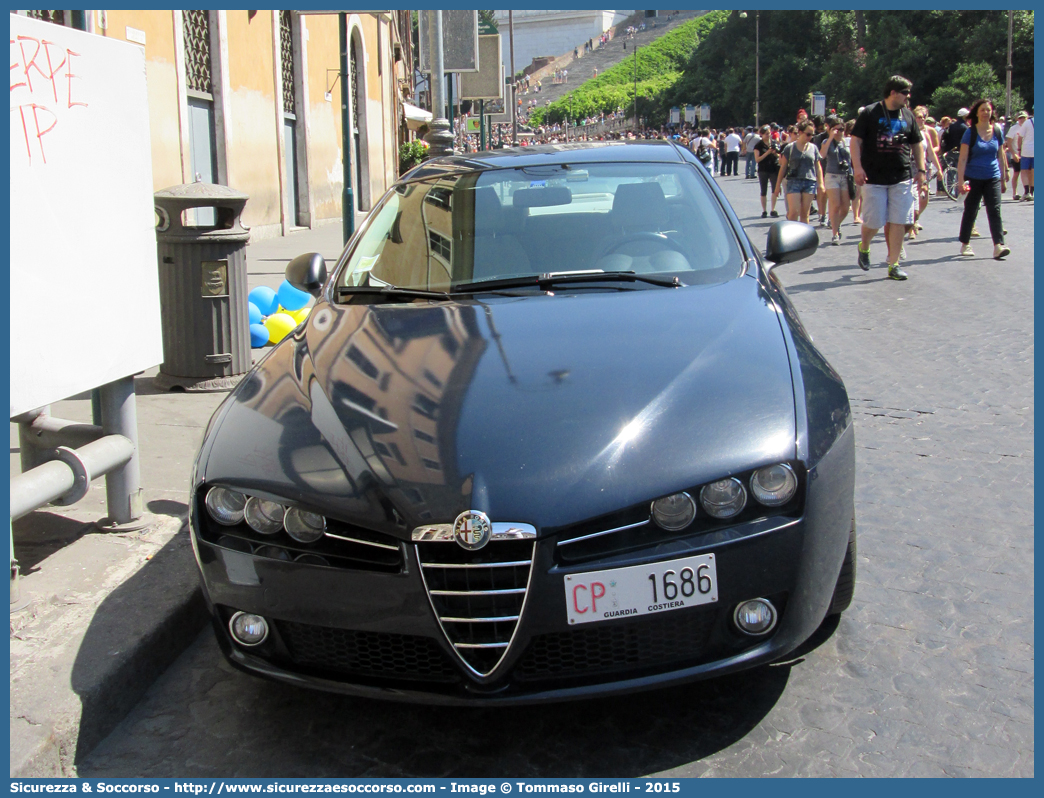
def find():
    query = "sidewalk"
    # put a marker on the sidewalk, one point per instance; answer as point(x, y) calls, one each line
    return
point(107, 613)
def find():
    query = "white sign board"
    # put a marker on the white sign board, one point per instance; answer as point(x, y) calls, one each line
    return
point(84, 283)
point(690, 113)
point(705, 113)
point(818, 105)
point(675, 116)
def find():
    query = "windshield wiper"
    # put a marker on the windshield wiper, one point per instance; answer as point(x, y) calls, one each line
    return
point(344, 291)
point(548, 279)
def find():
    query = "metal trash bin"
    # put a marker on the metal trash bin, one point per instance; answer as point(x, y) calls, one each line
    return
point(203, 287)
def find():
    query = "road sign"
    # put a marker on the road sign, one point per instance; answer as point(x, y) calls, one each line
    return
point(499, 110)
point(486, 83)
point(459, 41)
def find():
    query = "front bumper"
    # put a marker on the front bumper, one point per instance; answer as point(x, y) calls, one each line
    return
point(374, 633)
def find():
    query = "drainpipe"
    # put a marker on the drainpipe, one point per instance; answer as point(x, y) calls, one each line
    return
point(347, 198)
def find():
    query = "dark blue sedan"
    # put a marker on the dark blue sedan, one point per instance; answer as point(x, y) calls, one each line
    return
point(553, 429)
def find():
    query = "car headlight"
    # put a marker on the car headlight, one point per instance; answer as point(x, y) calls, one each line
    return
point(225, 506)
point(674, 512)
point(304, 527)
point(724, 498)
point(774, 485)
point(263, 516)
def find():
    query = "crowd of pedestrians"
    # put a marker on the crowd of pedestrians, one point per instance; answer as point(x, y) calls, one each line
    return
point(881, 167)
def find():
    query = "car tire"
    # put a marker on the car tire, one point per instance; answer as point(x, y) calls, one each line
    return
point(844, 590)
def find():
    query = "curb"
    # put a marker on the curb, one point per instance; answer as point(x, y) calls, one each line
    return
point(99, 658)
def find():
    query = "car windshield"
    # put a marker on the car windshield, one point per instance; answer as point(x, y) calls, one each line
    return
point(459, 230)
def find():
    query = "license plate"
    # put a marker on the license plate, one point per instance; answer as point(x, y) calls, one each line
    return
point(641, 589)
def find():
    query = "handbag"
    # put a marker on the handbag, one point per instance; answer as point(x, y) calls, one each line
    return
point(849, 174)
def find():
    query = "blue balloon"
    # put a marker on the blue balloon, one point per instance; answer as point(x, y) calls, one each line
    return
point(265, 299)
point(292, 298)
point(258, 335)
point(254, 312)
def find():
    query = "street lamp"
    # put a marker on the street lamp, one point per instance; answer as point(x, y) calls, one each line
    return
point(636, 89)
point(1007, 69)
point(757, 65)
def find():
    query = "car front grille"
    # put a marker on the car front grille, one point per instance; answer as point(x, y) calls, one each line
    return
point(478, 596)
point(367, 654)
point(615, 646)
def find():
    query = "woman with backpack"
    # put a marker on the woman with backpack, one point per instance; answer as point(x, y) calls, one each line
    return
point(703, 147)
point(801, 165)
point(982, 162)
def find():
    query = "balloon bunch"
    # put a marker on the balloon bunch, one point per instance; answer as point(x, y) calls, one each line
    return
point(273, 314)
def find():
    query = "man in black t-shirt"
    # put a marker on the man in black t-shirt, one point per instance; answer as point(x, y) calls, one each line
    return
point(884, 141)
point(951, 137)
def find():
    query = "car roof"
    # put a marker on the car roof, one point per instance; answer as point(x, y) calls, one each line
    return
point(550, 155)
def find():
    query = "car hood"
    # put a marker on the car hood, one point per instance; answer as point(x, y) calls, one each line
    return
point(546, 409)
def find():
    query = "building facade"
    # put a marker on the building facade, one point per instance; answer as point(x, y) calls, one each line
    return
point(252, 100)
point(551, 33)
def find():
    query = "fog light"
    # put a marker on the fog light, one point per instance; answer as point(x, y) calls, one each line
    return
point(304, 527)
point(248, 629)
point(225, 506)
point(724, 498)
point(674, 512)
point(263, 516)
point(755, 617)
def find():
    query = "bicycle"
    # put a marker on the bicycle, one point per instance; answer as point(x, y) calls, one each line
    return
point(949, 176)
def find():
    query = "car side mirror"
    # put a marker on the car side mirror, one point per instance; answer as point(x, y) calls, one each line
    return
point(307, 273)
point(790, 241)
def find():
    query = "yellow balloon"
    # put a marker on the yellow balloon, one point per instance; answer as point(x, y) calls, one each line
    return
point(298, 315)
point(278, 325)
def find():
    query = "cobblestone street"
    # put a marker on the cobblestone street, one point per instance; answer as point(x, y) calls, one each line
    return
point(930, 673)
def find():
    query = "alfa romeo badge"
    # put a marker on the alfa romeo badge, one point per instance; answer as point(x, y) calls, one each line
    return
point(472, 530)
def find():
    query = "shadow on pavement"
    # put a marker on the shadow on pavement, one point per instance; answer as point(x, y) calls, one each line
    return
point(134, 635)
point(40, 534)
point(168, 507)
point(146, 386)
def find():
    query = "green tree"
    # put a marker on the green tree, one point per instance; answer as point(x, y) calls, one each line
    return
point(972, 82)
point(952, 57)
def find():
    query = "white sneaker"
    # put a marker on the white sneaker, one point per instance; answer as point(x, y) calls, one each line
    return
point(1000, 251)
point(836, 240)
point(966, 250)
point(902, 253)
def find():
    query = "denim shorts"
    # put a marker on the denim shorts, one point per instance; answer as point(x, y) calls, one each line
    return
point(832, 180)
point(798, 186)
point(1026, 163)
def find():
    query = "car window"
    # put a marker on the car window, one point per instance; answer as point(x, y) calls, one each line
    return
point(647, 218)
